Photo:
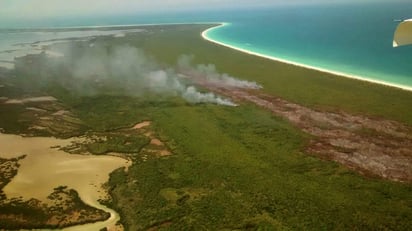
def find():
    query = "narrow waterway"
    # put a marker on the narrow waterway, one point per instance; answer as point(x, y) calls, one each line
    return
point(45, 167)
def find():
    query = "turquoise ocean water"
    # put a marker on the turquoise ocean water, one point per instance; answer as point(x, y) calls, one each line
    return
point(351, 38)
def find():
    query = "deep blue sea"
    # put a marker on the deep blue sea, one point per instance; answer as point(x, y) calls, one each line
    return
point(352, 38)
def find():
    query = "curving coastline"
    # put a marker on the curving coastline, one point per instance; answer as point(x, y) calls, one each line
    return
point(205, 36)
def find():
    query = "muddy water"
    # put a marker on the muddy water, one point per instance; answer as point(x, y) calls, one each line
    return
point(45, 168)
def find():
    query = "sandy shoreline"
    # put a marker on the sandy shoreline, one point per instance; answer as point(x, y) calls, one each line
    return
point(205, 36)
point(110, 26)
point(45, 168)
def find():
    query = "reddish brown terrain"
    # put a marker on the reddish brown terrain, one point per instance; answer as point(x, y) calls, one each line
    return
point(371, 146)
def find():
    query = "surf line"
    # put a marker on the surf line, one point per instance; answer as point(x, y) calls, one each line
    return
point(205, 36)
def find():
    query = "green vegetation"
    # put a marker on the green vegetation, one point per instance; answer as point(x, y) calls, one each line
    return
point(125, 142)
point(118, 143)
point(10, 114)
point(242, 168)
point(300, 85)
point(8, 171)
point(238, 167)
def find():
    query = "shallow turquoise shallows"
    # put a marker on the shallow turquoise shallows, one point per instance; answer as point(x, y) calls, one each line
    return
point(353, 39)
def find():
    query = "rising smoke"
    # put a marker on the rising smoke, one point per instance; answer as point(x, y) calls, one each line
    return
point(208, 73)
point(129, 69)
point(193, 96)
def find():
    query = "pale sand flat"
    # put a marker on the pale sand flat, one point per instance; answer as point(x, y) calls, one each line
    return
point(156, 142)
point(142, 125)
point(45, 168)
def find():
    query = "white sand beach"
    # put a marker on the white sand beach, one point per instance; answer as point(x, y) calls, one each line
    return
point(206, 37)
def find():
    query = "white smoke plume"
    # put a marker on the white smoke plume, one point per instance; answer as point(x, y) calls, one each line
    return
point(129, 69)
point(194, 96)
point(208, 73)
